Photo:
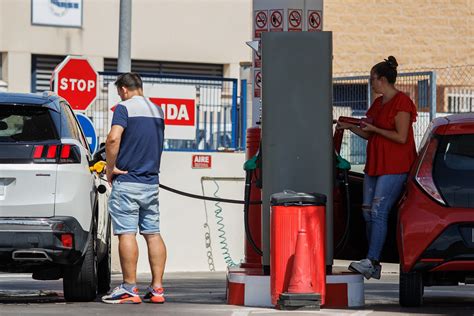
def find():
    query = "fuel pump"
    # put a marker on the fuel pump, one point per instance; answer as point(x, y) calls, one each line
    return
point(297, 150)
point(253, 212)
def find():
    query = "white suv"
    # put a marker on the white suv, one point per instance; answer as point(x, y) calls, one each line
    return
point(53, 222)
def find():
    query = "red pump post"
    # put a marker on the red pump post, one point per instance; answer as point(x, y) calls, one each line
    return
point(252, 258)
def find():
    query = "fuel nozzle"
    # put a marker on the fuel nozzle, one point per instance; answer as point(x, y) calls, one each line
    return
point(98, 167)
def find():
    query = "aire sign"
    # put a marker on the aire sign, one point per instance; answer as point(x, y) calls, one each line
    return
point(178, 103)
point(76, 81)
point(201, 161)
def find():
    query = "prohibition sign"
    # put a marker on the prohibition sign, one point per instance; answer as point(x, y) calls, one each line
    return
point(295, 19)
point(261, 20)
point(314, 20)
point(258, 80)
point(257, 88)
point(257, 60)
point(276, 19)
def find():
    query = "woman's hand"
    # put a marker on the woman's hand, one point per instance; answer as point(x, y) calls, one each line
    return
point(369, 128)
point(353, 128)
point(344, 125)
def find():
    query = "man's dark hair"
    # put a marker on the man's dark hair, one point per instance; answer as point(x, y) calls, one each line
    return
point(129, 80)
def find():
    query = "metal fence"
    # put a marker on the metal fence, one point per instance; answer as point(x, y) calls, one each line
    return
point(218, 111)
point(222, 120)
point(455, 89)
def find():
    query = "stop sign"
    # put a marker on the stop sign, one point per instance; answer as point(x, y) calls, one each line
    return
point(76, 81)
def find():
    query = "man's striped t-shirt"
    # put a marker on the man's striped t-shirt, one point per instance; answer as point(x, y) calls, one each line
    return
point(142, 140)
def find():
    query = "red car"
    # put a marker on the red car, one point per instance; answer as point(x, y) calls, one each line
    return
point(433, 224)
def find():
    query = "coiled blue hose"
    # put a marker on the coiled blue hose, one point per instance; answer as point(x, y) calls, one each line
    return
point(221, 232)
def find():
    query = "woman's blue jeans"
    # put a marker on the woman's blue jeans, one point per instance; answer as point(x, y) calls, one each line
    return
point(380, 194)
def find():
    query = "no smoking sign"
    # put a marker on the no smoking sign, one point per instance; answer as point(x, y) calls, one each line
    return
point(295, 19)
point(260, 22)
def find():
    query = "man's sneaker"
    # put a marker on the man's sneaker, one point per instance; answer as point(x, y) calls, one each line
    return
point(366, 268)
point(155, 295)
point(122, 296)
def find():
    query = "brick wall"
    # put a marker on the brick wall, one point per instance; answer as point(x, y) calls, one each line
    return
point(420, 34)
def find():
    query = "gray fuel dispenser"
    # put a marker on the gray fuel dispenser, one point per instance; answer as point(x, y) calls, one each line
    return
point(297, 148)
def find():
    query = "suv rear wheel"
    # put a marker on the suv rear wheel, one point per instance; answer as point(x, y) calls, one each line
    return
point(80, 280)
point(411, 289)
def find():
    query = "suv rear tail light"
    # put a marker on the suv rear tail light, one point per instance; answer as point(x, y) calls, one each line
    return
point(67, 240)
point(424, 174)
point(52, 150)
point(64, 153)
point(38, 152)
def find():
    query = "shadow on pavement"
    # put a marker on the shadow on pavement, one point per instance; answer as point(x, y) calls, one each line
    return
point(210, 288)
point(382, 296)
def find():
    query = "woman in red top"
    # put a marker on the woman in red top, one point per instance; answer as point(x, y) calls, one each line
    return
point(390, 153)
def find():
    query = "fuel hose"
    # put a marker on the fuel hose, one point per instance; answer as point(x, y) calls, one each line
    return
point(248, 234)
point(344, 166)
point(206, 198)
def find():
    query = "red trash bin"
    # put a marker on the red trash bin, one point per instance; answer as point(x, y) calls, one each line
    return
point(292, 212)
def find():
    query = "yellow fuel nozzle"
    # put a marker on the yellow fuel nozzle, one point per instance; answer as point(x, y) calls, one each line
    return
point(98, 166)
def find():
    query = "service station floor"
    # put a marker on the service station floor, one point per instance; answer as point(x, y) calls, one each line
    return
point(204, 293)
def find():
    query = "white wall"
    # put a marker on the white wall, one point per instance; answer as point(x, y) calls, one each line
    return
point(3, 66)
point(2, 12)
point(183, 219)
point(18, 71)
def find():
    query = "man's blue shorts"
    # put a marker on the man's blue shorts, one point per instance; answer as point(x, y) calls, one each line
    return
point(133, 205)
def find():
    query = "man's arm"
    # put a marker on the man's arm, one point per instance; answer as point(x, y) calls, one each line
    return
point(112, 146)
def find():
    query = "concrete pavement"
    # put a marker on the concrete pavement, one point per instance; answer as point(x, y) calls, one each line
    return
point(204, 294)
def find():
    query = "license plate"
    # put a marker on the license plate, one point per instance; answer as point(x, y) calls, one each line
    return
point(472, 235)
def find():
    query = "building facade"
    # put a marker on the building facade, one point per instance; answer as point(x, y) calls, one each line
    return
point(183, 37)
point(420, 34)
point(207, 37)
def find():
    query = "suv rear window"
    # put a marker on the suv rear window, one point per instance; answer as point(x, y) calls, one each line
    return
point(454, 170)
point(20, 123)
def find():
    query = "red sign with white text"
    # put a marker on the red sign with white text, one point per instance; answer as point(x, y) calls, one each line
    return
point(178, 103)
point(76, 81)
point(179, 112)
point(202, 161)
